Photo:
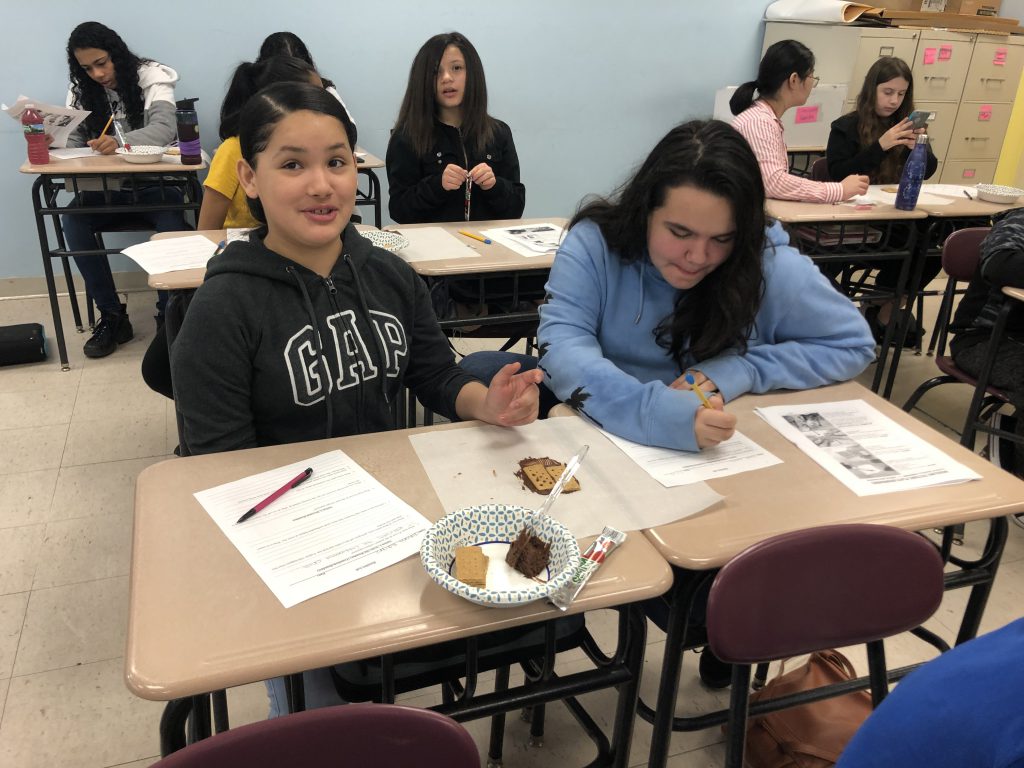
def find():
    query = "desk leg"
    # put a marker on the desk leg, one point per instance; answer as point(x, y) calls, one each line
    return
point(372, 196)
point(980, 575)
point(920, 254)
point(172, 725)
point(51, 285)
point(632, 625)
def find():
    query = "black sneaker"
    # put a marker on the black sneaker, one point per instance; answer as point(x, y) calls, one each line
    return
point(112, 329)
point(714, 672)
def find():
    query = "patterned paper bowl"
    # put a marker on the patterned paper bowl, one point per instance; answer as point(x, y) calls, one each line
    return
point(996, 193)
point(496, 523)
point(142, 154)
point(389, 241)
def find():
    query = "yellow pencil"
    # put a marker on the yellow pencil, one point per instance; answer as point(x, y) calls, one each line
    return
point(700, 392)
point(475, 236)
point(109, 121)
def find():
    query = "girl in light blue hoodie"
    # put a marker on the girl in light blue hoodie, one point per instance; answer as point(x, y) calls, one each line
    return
point(680, 272)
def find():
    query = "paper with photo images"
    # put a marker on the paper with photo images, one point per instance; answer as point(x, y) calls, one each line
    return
point(864, 449)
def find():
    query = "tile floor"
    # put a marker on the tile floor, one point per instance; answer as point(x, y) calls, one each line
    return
point(71, 444)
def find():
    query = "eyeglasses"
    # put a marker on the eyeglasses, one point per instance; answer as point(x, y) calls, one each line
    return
point(816, 80)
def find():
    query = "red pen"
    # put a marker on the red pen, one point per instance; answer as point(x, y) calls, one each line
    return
point(293, 483)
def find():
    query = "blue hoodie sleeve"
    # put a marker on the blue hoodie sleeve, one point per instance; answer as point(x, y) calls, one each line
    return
point(807, 333)
point(574, 363)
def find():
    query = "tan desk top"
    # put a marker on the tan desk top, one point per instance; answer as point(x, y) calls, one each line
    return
point(962, 207)
point(1014, 293)
point(108, 164)
point(201, 619)
point(799, 494)
point(793, 212)
point(370, 161)
point(493, 258)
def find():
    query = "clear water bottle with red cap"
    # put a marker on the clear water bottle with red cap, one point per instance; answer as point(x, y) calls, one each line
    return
point(35, 135)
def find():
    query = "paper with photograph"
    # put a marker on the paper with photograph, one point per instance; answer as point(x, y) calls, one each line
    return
point(59, 122)
point(864, 449)
point(528, 239)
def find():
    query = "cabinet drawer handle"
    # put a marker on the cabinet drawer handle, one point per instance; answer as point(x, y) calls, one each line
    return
point(993, 79)
point(936, 77)
point(975, 138)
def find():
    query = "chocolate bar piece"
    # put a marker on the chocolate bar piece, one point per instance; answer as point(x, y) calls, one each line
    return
point(528, 554)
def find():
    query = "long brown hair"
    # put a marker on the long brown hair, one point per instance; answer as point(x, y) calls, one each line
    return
point(419, 107)
point(870, 126)
point(711, 156)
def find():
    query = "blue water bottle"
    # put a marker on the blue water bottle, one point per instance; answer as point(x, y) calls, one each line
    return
point(913, 175)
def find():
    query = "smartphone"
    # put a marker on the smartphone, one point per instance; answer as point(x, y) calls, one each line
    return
point(920, 119)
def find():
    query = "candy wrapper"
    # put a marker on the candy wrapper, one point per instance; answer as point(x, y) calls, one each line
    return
point(589, 562)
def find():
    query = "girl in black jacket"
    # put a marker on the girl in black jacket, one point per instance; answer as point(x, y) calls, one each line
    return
point(448, 160)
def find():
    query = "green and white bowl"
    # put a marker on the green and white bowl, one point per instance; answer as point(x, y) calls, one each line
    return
point(490, 526)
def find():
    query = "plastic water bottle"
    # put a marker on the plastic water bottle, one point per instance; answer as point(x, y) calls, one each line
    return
point(35, 135)
point(913, 175)
point(188, 132)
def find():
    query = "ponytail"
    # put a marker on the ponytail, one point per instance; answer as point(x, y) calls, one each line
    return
point(250, 77)
point(743, 97)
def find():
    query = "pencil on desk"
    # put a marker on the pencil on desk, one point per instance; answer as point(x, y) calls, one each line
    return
point(475, 236)
point(700, 392)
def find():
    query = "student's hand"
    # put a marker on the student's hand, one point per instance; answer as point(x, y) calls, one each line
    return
point(901, 134)
point(453, 177)
point(713, 425)
point(483, 175)
point(854, 185)
point(105, 145)
point(513, 399)
point(699, 379)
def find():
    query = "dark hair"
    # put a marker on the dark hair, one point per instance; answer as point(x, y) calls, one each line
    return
point(251, 77)
point(288, 44)
point(266, 109)
point(781, 60)
point(711, 156)
point(419, 106)
point(870, 126)
point(89, 94)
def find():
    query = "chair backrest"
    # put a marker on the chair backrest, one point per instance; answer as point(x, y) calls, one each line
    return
point(380, 735)
point(822, 588)
point(961, 252)
point(819, 170)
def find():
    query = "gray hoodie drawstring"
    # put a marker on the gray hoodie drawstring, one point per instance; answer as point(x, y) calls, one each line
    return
point(319, 347)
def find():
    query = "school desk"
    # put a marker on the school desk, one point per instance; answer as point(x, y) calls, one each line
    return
point(798, 494)
point(842, 235)
point(371, 195)
point(942, 221)
point(103, 173)
point(201, 620)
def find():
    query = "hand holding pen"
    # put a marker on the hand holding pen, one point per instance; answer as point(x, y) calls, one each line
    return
point(711, 425)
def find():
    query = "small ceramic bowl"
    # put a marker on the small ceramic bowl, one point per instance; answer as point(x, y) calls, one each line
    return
point(996, 193)
point(493, 525)
point(141, 154)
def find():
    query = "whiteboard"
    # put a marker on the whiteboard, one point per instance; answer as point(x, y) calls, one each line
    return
point(806, 126)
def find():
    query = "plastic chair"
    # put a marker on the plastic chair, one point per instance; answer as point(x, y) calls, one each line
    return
point(819, 170)
point(960, 255)
point(816, 589)
point(360, 735)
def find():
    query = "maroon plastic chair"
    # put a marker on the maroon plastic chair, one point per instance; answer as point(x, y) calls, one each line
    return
point(819, 170)
point(960, 255)
point(815, 589)
point(356, 735)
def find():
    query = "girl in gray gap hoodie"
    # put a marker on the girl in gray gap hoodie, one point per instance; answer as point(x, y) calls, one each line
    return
point(307, 330)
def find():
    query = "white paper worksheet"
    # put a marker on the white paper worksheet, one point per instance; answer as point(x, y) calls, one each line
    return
point(172, 254)
point(864, 449)
point(670, 468)
point(433, 244)
point(338, 526)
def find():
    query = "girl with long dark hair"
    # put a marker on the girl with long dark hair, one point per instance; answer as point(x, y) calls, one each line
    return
point(290, 44)
point(785, 79)
point(679, 272)
point(108, 79)
point(448, 159)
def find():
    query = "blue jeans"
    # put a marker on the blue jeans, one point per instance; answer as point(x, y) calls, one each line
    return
point(80, 235)
point(484, 365)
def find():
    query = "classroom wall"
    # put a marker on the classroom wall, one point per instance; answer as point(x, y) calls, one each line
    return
point(587, 86)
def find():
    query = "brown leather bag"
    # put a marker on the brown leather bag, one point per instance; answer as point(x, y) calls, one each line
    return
point(811, 735)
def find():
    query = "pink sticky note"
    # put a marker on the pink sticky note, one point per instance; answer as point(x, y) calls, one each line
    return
point(945, 52)
point(985, 113)
point(968, 173)
point(930, 54)
point(807, 114)
point(999, 58)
